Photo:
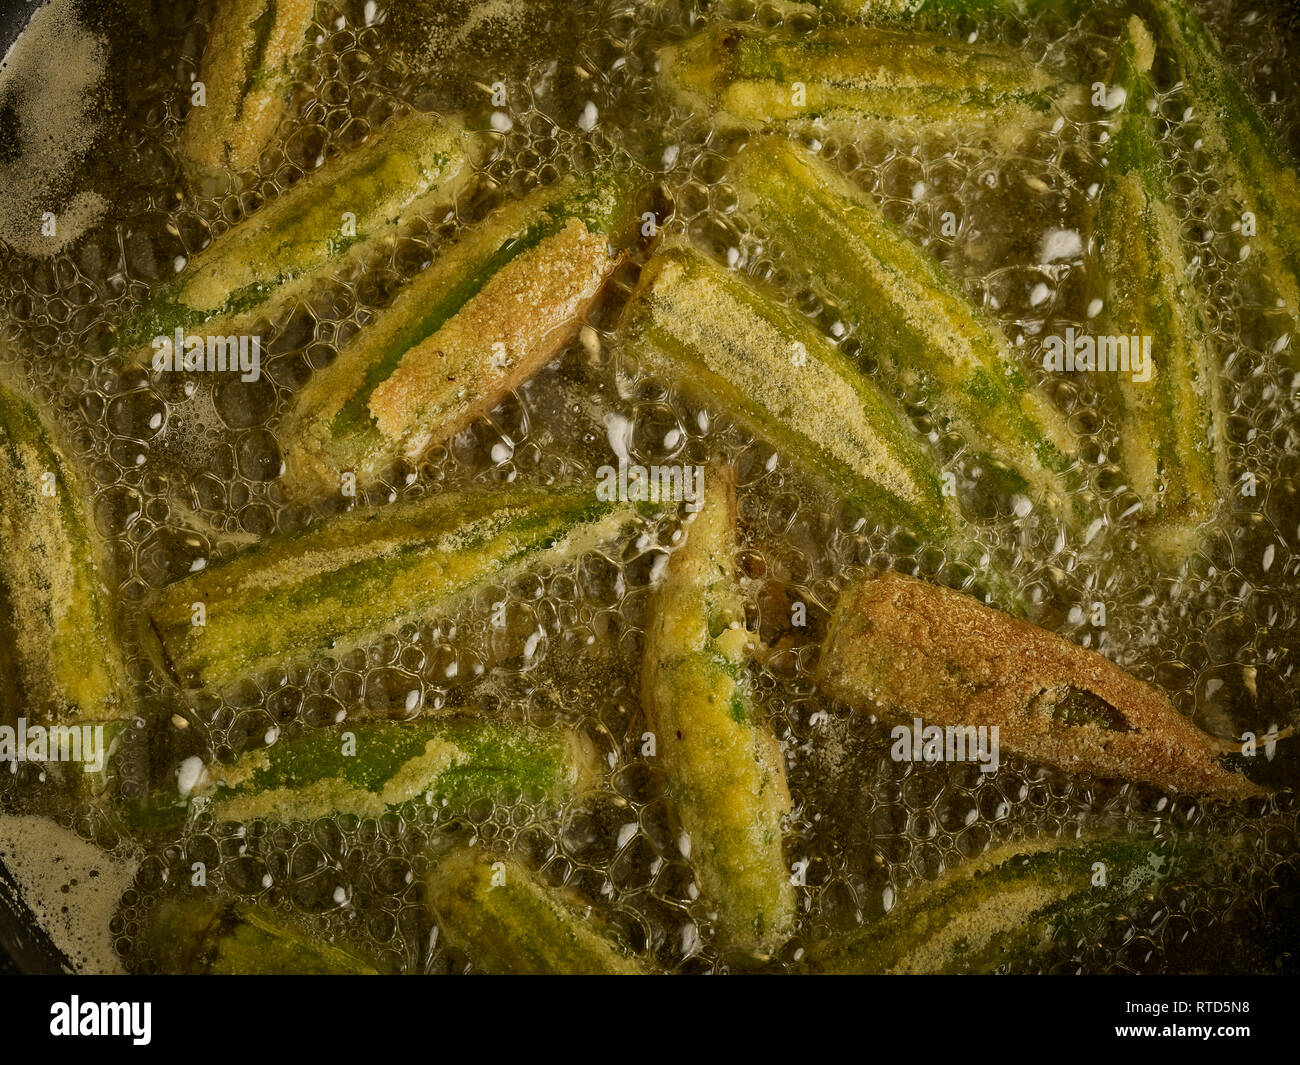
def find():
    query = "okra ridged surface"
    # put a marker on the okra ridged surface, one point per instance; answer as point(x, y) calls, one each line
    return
point(1256, 166)
point(1172, 444)
point(694, 320)
point(725, 770)
point(742, 352)
point(252, 55)
point(412, 162)
point(916, 320)
point(995, 909)
point(503, 915)
point(212, 936)
point(858, 80)
point(61, 657)
point(489, 313)
point(367, 770)
point(188, 473)
point(330, 589)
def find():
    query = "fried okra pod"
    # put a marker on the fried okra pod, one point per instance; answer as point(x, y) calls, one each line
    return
point(319, 225)
point(859, 81)
point(211, 936)
point(367, 768)
point(509, 922)
point(334, 586)
point(1007, 906)
point(911, 650)
point(1169, 405)
point(248, 68)
point(494, 307)
point(60, 649)
point(907, 311)
point(727, 342)
point(1256, 168)
point(725, 770)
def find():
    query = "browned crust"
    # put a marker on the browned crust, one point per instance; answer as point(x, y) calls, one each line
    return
point(911, 649)
point(528, 313)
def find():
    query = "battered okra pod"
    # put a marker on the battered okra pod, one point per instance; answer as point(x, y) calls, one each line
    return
point(1006, 906)
point(331, 216)
point(913, 650)
point(59, 653)
point(509, 922)
point(1254, 164)
point(726, 342)
point(333, 586)
point(368, 768)
point(494, 308)
point(928, 11)
point(248, 69)
point(725, 770)
point(701, 325)
point(859, 80)
point(907, 311)
point(1170, 408)
point(210, 936)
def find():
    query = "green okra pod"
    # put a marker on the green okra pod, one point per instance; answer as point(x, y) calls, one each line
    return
point(60, 658)
point(509, 922)
point(859, 80)
point(1007, 905)
point(370, 767)
point(1169, 404)
point(319, 225)
point(700, 324)
point(725, 770)
point(216, 937)
point(728, 343)
point(907, 311)
point(334, 586)
point(1256, 168)
point(247, 73)
point(911, 650)
point(492, 309)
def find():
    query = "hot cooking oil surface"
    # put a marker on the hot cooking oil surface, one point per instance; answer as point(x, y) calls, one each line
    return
point(186, 472)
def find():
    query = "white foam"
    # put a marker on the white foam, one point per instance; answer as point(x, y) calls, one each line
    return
point(71, 886)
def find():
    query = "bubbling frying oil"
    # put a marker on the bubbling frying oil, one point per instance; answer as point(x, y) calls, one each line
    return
point(185, 472)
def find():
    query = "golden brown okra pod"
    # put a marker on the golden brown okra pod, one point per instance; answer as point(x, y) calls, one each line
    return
point(911, 649)
point(247, 74)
